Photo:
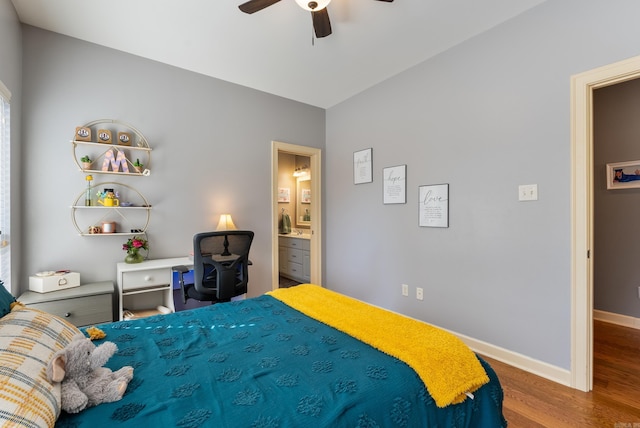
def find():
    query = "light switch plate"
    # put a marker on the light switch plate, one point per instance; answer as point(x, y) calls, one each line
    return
point(528, 192)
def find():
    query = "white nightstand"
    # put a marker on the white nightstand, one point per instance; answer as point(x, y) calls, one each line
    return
point(85, 305)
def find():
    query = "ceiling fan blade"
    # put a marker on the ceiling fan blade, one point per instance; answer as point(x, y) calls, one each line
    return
point(321, 23)
point(256, 5)
point(388, 1)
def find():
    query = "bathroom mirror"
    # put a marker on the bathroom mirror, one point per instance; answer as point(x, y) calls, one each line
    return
point(303, 201)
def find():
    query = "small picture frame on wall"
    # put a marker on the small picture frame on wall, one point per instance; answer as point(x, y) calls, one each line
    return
point(394, 185)
point(305, 196)
point(433, 205)
point(363, 166)
point(284, 194)
point(623, 175)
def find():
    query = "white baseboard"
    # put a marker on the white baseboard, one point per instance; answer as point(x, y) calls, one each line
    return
point(623, 320)
point(528, 364)
point(522, 362)
point(531, 365)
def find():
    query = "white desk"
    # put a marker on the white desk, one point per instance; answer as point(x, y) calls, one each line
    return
point(142, 287)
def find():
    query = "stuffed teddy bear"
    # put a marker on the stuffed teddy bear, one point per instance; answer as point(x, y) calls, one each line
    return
point(85, 382)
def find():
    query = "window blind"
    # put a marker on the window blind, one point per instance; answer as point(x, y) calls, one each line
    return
point(5, 188)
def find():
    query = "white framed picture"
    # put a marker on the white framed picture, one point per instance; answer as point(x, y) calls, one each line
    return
point(284, 194)
point(433, 205)
point(394, 184)
point(363, 166)
point(623, 175)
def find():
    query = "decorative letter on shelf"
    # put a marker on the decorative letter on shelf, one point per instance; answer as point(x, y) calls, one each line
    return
point(120, 160)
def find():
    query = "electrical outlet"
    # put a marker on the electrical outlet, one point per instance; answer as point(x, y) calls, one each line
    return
point(405, 290)
point(419, 293)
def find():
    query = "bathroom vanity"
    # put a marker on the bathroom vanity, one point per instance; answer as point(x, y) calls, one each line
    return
point(293, 256)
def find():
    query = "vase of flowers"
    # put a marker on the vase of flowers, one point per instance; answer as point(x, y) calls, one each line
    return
point(133, 247)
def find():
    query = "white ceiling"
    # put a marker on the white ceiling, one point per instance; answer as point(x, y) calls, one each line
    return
point(272, 50)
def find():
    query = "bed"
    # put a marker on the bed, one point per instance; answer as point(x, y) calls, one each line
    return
point(298, 357)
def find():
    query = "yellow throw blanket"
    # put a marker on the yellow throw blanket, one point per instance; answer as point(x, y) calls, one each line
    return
point(447, 366)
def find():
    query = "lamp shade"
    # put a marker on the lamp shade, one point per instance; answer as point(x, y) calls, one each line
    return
point(226, 223)
point(313, 5)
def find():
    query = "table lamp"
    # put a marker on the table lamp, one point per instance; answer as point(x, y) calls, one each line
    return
point(226, 223)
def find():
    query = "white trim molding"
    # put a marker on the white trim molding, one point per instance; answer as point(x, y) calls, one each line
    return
point(619, 319)
point(515, 359)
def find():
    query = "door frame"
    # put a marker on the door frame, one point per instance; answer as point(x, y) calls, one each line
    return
point(582, 254)
point(315, 156)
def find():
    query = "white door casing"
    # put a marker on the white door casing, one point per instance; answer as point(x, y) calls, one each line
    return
point(582, 87)
point(315, 156)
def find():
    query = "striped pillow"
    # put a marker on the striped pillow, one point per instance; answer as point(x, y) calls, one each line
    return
point(28, 340)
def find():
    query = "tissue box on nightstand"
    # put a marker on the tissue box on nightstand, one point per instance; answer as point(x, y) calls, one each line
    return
point(54, 282)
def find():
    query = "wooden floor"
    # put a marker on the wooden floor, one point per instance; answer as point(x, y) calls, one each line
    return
point(532, 401)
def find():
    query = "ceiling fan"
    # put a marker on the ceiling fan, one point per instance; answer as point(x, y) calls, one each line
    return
point(318, 9)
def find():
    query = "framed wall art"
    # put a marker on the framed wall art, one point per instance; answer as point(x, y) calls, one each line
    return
point(284, 194)
point(305, 196)
point(394, 184)
point(363, 166)
point(623, 175)
point(433, 205)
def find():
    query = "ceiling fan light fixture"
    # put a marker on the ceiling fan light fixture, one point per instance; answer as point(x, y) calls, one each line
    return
point(313, 6)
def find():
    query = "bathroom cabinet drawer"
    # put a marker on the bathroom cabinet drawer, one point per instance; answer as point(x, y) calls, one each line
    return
point(145, 278)
point(294, 255)
point(302, 244)
point(295, 269)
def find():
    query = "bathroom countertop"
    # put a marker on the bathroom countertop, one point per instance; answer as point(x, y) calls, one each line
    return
point(295, 235)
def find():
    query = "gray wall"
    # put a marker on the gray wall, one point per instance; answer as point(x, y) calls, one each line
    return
point(211, 153)
point(616, 212)
point(485, 117)
point(11, 76)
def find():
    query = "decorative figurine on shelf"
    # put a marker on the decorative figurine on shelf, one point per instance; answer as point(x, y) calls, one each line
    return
point(133, 247)
point(115, 161)
point(104, 136)
point(124, 138)
point(138, 166)
point(86, 162)
point(83, 133)
point(109, 198)
point(87, 197)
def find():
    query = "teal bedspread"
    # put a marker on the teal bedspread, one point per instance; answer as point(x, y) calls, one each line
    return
point(259, 363)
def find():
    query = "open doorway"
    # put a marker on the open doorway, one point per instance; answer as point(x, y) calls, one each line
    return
point(582, 87)
point(313, 210)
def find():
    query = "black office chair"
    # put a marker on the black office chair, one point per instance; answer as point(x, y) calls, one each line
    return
point(220, 261)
